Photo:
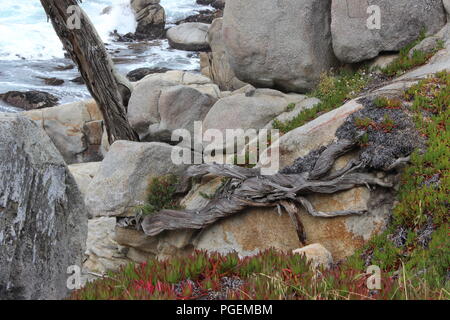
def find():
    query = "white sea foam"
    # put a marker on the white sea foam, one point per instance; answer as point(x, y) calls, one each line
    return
point(179, 9)
point(29, 47)
point(26, 33)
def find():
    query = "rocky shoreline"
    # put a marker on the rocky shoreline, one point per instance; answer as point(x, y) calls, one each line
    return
point(255, 73)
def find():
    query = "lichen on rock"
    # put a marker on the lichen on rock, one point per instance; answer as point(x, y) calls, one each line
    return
point(43, 220)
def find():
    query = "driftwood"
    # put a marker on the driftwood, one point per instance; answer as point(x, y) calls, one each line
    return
point(248, 188)
point(110, 90)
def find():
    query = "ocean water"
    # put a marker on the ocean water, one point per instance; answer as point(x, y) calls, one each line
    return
point(29, 47)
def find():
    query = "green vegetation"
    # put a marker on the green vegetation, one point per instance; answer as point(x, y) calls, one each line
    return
point(381, 102)
point(160, 195)
point(406, 62)
point(333, 90)
point(422, 198)
point(363, 140)
point(290, 107)
point(417, 242)
point(363, 123)
point(388, 124)
point(268, 275)
point(386, 103)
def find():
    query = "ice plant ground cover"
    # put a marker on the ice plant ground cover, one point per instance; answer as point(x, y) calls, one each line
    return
point(269, 275)
point(413, 254)
point(342, 85)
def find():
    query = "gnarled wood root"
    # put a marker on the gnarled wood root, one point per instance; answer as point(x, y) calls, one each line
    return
point(249, 188)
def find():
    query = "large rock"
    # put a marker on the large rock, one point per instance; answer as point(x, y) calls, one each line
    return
point(141, 248)
point(190, 36)
point(447, 8)
point(250, 232)
point(76, 129)
point(282, 44)
point(151, 18)
point(342, 236)
point(215, 64)
point(178, 108)
point(401, 23)
point(122, 181)
point(145, 101)
point(43, 220)
point(253, 109)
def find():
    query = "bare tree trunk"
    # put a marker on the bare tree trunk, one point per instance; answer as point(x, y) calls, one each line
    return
point(82, 42)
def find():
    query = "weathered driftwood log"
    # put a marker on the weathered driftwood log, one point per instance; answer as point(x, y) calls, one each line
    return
point(82, 42)
point(248, 188)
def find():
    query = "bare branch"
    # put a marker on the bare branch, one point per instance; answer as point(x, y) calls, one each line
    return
point(107, 87)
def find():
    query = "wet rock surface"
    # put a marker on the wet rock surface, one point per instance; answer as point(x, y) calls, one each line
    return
point(30, 99)
point(204, 16)
point(151, 19)
point(191, 36)
point(140, 73)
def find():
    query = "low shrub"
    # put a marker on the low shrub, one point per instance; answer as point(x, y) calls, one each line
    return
point(161, 195)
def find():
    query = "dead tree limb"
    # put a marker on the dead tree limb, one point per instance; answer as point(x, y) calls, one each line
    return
point(107, 87)
point(323, 164)
point(248, 188)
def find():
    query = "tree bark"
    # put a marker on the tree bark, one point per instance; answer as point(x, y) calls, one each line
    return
point(107, 87)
